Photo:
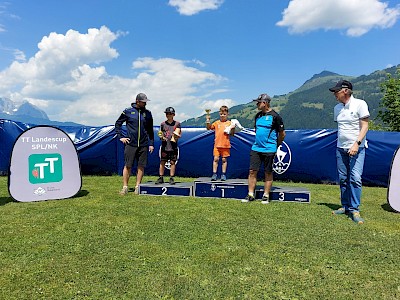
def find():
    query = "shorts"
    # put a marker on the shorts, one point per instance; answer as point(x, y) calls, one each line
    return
point(132, 153)
point(223, 152)
point(259, 158)
point(168, 155)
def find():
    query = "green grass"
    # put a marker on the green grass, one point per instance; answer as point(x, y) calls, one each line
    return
point(100, 245)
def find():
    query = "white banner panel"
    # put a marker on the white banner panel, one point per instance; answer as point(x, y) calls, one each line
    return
point(394, 182)
point(44, 166)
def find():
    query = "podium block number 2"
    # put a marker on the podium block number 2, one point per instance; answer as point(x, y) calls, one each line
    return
point(164, 191)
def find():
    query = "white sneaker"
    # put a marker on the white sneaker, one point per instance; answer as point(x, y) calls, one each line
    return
point(136, 191)
point(124, 191)
point(265, 200)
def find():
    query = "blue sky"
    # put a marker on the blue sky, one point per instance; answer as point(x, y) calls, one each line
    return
point(85, 60)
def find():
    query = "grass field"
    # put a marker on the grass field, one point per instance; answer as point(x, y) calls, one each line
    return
point(100, 245)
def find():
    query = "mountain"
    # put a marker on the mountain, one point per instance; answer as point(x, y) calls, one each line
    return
point(311, 105)
point(27, 113)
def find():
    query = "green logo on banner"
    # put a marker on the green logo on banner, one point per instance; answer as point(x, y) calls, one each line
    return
point(44, 168)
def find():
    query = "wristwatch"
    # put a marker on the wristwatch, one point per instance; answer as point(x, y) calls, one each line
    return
point(358, 143)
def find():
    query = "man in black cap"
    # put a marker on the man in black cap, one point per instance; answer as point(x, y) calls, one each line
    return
point(138, 140)
point(351, 115)
point(270, 133)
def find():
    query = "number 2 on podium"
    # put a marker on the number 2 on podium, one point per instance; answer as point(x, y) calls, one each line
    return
point(164, 191)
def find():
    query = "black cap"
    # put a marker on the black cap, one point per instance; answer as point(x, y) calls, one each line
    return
point(142, 97)
point(342, 84)
point(263, 98)
point(170, 110)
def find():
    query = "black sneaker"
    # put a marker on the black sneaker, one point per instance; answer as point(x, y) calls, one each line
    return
point(171, 180)
point(160, 180)
point(248, 199)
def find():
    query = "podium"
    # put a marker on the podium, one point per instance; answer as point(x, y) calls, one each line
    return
point(165, 189)
point(231, 188)
point(285, 194)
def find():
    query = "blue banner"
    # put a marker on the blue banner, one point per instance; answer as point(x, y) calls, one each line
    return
point(305, 156)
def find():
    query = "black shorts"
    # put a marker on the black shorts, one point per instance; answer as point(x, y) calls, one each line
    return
point(258, 158)
point(169, 155)
point(139, 154)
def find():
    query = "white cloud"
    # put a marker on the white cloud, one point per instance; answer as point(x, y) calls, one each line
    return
point(19, 55)
point(357, 17)
point(171, 82)
point(5, 14)
point(216, 104)
point(67, 80)
point(192, 7)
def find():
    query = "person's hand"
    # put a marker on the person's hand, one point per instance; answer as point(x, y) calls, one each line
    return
point(353, 150)
point(125, 140)
point(151, 149)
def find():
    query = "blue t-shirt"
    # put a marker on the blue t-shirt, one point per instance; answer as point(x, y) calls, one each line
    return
point(267, 126)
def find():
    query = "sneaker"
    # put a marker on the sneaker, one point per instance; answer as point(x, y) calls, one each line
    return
point(160, 180)
point(248, 199)
point(136, 191)
point(124, 191)
point(357, 218)
point(223, 177)
point(171, 180)
point(340, 211)
point(214, 177)
point(264, 200)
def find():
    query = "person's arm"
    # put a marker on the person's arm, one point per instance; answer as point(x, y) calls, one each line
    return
point(363, 129)
point(118, 128)
point(361, 135)
point(281, 137)
point(149, 128)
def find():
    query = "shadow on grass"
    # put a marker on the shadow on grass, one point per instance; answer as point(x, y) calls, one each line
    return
point(388, 208)
point(5, 200)
point(80, 194)
point(332, 206)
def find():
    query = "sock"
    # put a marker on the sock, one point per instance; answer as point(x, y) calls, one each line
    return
point(265, 195)
point(125, 187)
point(251, 194)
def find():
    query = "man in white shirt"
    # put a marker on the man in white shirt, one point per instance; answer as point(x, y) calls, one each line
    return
point(351, 115)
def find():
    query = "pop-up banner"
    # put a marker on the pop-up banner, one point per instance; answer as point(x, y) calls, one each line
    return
point(44, 166)
point(394, 182)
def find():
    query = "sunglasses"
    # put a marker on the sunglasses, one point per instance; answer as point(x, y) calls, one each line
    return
point(337, 92)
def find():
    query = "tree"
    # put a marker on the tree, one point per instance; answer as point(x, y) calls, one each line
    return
point(390, 103)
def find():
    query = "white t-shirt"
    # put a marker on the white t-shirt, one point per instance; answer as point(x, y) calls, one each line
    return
point(348, 119)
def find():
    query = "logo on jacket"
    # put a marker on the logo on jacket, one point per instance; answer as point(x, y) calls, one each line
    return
point(283, 158)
